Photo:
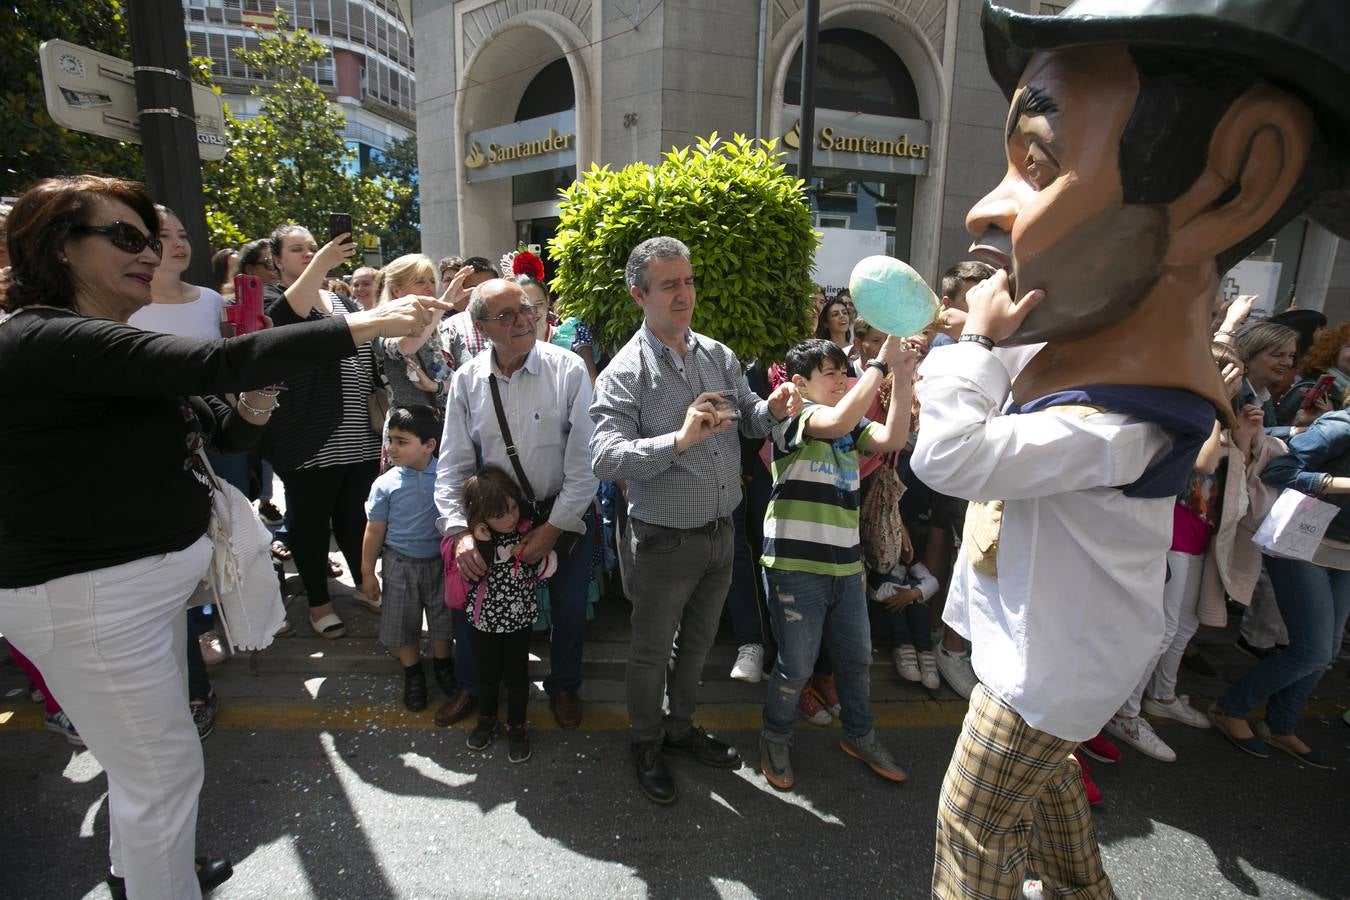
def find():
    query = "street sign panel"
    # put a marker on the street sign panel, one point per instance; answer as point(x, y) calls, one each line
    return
point(95, 93)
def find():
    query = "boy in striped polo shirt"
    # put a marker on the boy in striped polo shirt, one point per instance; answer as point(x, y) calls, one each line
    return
point(811, 547)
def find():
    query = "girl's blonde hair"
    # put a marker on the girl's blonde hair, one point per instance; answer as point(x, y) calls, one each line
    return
point(401, 272)
point(488, 495)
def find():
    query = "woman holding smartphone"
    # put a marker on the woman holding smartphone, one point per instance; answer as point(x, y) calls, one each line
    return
point(320, 441)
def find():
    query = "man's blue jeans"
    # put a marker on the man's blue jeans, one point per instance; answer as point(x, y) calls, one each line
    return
point(569, 594)
point(804, 609)
point(1314, 602)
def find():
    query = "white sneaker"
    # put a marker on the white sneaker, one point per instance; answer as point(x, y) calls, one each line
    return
point(1178, 709)
point(956, 670)
point(1140, 735)
point(749, 664)
point(906, 662)
point(929, 670)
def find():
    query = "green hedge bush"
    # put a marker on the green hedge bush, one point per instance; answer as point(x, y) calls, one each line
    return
point(747, 226)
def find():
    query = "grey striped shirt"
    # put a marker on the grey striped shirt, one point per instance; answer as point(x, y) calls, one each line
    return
point(640, 402)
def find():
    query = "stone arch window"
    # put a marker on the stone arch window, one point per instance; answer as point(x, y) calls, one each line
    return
point(858, 72)
point(550, 91)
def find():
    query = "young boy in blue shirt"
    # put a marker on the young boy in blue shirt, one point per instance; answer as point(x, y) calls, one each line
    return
point(811, 547)
point(401, 530)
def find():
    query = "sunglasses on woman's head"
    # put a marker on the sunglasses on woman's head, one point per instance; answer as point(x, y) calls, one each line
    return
point(125, 237)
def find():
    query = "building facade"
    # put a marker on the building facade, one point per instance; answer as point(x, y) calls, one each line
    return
point(369, 72)
point(517, 96)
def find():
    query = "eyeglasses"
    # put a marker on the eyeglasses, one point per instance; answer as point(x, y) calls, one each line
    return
point(511, 317)
point(125, 237)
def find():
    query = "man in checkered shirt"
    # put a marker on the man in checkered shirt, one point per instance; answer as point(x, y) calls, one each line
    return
point(665, 411)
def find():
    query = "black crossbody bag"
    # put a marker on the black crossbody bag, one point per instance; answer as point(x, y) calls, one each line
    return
point(539, 511)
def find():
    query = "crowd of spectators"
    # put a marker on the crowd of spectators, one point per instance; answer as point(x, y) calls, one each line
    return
point(458, 437)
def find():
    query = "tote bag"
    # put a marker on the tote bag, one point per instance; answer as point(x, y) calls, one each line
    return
point(1295, 525)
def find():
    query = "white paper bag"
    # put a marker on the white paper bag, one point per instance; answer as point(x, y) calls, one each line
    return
point(1295, 525)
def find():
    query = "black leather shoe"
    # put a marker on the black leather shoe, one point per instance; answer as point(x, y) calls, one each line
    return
point(415, 690)
point(706, 749)
point(210, 873)
point(213, 872)
point(652, 776)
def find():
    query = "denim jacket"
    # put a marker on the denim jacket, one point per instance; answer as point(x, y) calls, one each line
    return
point(1324, 449)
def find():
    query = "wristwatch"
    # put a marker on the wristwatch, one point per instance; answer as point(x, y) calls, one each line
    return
point(879, 366)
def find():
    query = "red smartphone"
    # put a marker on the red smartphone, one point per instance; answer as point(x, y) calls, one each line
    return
point(340, 223)
point(246, 314)
point(1318, 392)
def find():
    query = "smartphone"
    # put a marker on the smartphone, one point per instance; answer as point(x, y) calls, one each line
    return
point(340, 223)
point(1319, 391)
point(246, 313)
point(726, 407)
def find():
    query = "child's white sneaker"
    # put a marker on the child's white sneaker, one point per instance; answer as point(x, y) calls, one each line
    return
point(929, 670)
point(906, 661)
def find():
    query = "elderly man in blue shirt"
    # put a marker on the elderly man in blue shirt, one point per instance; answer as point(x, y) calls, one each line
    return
point(665, 411)
point(544, 393)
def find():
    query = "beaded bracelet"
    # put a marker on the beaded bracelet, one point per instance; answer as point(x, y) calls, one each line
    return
point(244, 404)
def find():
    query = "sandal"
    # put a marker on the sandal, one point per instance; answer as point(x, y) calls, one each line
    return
point(281, 551)
point(330, 626)
point(334, 568)
point(360, 599)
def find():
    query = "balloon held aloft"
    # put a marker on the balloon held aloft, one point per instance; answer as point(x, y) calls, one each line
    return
point(891, 296)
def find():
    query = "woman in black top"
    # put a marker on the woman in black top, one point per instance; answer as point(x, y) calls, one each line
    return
point(321, 442)
point(98, 416)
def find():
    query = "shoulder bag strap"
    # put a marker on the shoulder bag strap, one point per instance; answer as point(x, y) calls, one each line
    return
point(511, 451)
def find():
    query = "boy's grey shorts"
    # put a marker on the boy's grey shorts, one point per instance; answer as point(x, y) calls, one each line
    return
point(410, 586)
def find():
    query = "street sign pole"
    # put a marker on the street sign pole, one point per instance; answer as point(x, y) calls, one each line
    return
point(168, 131)
point(811, 29)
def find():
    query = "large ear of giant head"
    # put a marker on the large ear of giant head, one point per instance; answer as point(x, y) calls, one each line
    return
point(1269, 77)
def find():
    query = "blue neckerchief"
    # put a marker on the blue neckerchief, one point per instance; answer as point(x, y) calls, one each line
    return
point(1189, 417)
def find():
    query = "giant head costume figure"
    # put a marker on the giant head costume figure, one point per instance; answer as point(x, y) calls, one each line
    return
point(1151, 144)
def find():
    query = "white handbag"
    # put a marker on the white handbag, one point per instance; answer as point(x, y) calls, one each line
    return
point(1295, 525)
point(240, 581)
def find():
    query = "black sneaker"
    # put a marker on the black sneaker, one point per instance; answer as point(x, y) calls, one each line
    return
point(270, 515)
point(444, 672)
point(1200, 665)
point(517, 743)
point(1256, 653)
point(204, 714)
point(482, 733)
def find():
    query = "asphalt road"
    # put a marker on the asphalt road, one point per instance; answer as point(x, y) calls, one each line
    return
point(376, 812)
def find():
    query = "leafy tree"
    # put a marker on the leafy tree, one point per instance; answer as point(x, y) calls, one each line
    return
point(397, 164)
point(34, 146)
point(290, 163)
point(743, 217)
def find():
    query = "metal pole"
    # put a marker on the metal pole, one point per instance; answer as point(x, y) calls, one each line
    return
point(811, 25)
point(173, 170)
